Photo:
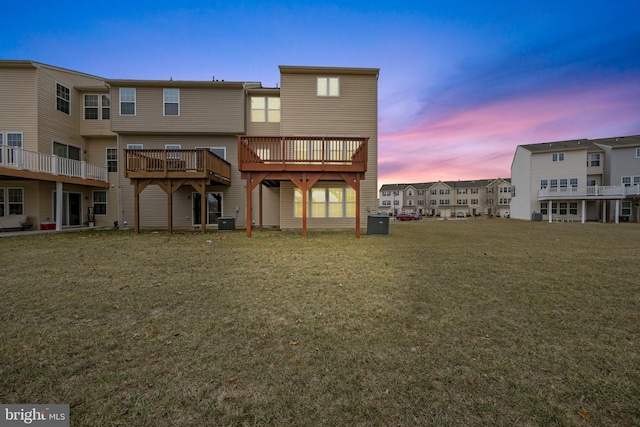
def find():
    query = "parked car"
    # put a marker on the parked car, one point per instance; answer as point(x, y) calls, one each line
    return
point(404, 216)
point(416, 215)
point(461, 215)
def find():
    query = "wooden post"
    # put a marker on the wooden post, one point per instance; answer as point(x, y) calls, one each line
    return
point(260, 202)
point(203, 206)
point(248, 216)
point(136, 206)
point(357, 206)
point(304, 204)
point(169, 207)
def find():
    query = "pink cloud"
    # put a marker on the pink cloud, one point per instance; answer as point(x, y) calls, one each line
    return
point(479, 143)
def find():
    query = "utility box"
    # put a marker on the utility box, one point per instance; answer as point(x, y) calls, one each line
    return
point(536, 216)
point(378, 224)
point(226, 224)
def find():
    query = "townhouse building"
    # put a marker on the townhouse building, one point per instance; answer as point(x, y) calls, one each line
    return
point(77, 149)
point(577, 180)
point(488, 197)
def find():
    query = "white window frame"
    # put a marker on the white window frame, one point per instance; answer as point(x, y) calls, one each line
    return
point(557, 157)
point(111, 159)
point(101, 108)
point(135, 147)
point(625, 181)
point(214, 149)
point(173, 147)
point(8, 203)
point(60, 98)
point(268, 111)
point(105, 202)
point(320, 206)
point(638, 153)
point(129, 98)
point(328, 87)
point(594, 160)
point(168, 97)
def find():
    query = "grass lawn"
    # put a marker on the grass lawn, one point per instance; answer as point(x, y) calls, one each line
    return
point(444, 323)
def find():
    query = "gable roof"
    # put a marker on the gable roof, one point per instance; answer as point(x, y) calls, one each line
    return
point(619, 142)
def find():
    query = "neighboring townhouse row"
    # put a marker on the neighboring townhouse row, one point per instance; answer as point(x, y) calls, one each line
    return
point(77, 149)
point(578, 180)
point(489, 197)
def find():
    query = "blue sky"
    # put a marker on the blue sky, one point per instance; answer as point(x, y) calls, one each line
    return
point(462, 83)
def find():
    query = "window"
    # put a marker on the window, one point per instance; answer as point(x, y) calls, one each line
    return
point(67, 151)
point(544, 208)
point(444, 202)
point(638, 152)
point(462, 191)
point(591, 183)
point(420, 192)
point(100, 202)
point(544, 184)
point(127, 102)
point(573, 182)
point(474, 191)
point(573, 208)
point(396, 193)
point(410, 193)
point(396, 202)
point(134, 146)
point(557, 157)
point(594, 160)
point(563, 208)
point(554, 185)
point(474, 201)
point(327, 203)
point(11, 201)
point(434, 192)
point(626, 181)
point(218, 151)
point(504, 201)
point(444, 191)
point(265, 109)
point(14, 139)
point(112, 160)
point(386, 193)
point(328, 86)
point(625, 208)
point(420, 202)
point(386, 203)
point(636, 180)
point(172, 154)
point(461, 201)
point(63, 99)
point(171, 102)
point(410, 203)
point(563, 184)
point(97, 107)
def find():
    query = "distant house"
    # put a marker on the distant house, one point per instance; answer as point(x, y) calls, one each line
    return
point(76, 148)
point(577, 180)
point(489, 197)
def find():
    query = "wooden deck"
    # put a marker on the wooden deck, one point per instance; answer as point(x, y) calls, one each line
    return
point(303, 160)
point(177, 164)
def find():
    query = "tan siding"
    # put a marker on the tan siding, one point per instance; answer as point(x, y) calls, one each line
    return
point(270, 206)
point(54, 125)
point(153, 200)
point(202, 110)
point(97, 155)
point(353, 113)
point(18, 112)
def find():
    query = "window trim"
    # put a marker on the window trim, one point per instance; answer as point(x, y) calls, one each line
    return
point(121, 102)
point(266, 109)
point(326, 204)
point(135, 146)
point(111, 159)
point(101, 108)
point(105, 203)
point(61, 98)
point(327, 90)
point(172, 102)
point(6, 203)
point(557, 157)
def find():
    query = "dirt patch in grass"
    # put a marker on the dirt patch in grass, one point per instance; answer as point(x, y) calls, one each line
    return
point(485, 322)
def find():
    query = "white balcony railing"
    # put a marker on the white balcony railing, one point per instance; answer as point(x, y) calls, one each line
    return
point(19, 158)
point(592, 192)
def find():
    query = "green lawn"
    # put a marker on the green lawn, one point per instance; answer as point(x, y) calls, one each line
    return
point(470, 322)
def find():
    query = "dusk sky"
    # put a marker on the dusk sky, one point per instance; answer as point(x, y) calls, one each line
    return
point(462, 83)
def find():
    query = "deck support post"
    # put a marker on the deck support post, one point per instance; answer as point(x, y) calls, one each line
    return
point(136, 206)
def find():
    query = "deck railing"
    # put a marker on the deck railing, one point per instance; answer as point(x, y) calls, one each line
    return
point(591, 192)
point(160, 162)
point(19, 158)
point(318, 152)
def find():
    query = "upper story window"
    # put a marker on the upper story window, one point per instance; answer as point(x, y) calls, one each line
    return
point(420, 192)
point(462, 191)
point(573, 182)
point(410, 193)
point(328, 86)
point(134, 146)
point(171, 102)
point(396, 193)
point(557, 157)
point(67, 151)
point(444, 191)
point(63, 99)
point(474, 191)
point(112, 160)
point(593, 160)
point(127, 102)
point(638, 152)
point(265, 109)
point(626, 181)
point(97, 107)
point(544, 184)
point(386, 193)
point(434, 191)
